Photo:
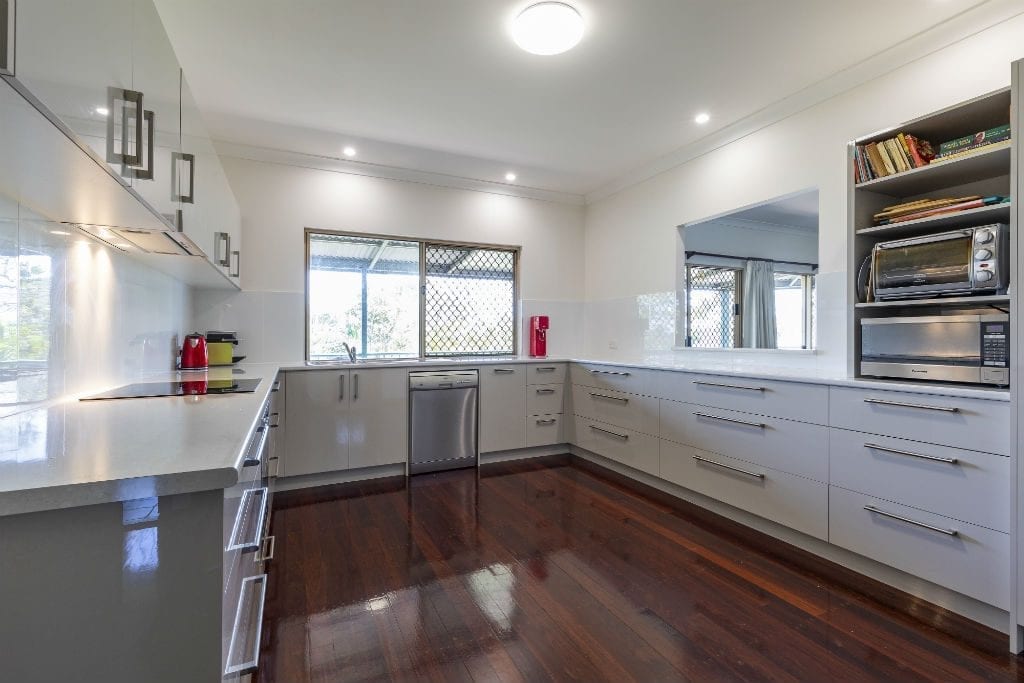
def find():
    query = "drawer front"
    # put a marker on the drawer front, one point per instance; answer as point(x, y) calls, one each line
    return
point(973, 424)
point(795, 447)
point(975, 561)
point(966, 485)
point(792, 501)
point(612, 377)
point(639, 413)
point(789, 400)
point(632, 448)
point(544, 399)
point(248, 478)
point(544, 430)
point(545, 373)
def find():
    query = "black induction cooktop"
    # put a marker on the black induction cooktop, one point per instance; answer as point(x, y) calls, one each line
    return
point(197, 387)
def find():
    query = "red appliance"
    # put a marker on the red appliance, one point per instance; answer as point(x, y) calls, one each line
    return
point(538, 336)
point(193, 352)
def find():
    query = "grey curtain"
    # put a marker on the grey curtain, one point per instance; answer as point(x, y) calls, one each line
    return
point(759, 305)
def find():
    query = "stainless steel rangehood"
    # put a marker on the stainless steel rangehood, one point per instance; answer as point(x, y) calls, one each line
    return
point(167, 242)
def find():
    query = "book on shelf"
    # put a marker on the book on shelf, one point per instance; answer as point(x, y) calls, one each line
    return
point(967, 142)
point(971, 151)
point(925, 208)
point(898, 154)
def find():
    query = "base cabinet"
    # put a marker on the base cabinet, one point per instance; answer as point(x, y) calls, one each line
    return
point(317, 435)
point(502, 405)
point(378, 429)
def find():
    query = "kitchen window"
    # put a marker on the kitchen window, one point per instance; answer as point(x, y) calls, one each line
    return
point(390, 297)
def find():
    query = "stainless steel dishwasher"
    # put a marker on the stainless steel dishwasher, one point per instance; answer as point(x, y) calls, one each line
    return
point(442, 420)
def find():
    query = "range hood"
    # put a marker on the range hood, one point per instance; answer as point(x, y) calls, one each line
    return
point(162, 242)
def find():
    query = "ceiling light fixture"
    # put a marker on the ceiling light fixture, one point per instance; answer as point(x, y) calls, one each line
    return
point(102, 111)
point(511, 177)
point(702, 118)
point(349, 151)
point(59, 232)
point(548, 28)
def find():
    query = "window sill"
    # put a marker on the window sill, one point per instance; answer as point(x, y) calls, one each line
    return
point(785, 352)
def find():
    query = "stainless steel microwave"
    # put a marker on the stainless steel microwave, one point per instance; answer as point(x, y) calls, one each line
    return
point(960, 262)
point(973, 349)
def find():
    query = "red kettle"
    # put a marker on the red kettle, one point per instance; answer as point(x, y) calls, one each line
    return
point(193, 352)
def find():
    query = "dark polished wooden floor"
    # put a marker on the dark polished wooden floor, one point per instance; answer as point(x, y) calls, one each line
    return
point(549, 571)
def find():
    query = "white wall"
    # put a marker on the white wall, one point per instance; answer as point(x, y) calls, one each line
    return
point(774, 242)
point(631, 235)
point(279, 201)
point(77, 316)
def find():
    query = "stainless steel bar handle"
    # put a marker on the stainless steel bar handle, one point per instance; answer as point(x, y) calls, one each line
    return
point(759, 425)
point(249, 460)
point(921, 406)
point(549, 421)
point(7, 37)
point(609, 372)
point(146, 170)
point(503, 371)
point(178, 158)
point(221, 248)
point(912, 454)
point(275, 425)
point(127, 98)
point(610, 398)
point(544, 392)
point(262, 556)
point(728, 386)
point(245, 505)
point(255, 586)
point(341, 387)
point(756, 475)
point(548, 368)
point(277, 386)
point(277, 467)
point(237, 272)
point(355, 386)
point(908, 520)
point(624, 437)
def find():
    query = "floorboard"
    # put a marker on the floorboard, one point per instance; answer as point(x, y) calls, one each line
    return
point(556, 570)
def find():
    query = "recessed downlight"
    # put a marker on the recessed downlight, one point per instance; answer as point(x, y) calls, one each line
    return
point(63, 233)
point(548, 28)
point(349, 151)
point(102, 111)
point(510, 177)
point(702, 118)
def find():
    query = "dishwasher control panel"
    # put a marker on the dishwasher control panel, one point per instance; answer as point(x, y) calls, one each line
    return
point(443, 379)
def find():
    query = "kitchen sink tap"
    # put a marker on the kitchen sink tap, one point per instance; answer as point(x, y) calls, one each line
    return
point(350, 351)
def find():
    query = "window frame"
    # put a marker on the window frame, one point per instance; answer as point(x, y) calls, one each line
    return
point(423, 243)
point(807, 286)
point(737, 318)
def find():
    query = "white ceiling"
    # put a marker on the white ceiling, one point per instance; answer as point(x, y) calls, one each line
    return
point(439, 86)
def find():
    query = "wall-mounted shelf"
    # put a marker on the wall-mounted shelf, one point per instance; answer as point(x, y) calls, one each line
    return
point(983, 215)
point(986, 163)
point(940, 301)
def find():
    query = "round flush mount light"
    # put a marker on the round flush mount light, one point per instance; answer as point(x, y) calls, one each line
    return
point(349, 151)
point(702, 118)
point(511, 177)
point(548, 28)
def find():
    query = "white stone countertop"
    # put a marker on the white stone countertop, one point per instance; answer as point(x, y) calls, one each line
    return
point(71, 453)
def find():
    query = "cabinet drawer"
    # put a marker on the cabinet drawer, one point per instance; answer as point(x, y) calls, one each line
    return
point(639, 413)
point(789, 400)
point(793, 501)
point(795, 447)
point(626, 446)
point(966, 485)
point(616, 378)
point(545, 373)
point(248, 478)
point(544, 399)
point(975, 561)
point(544, 430)
point(973, 424)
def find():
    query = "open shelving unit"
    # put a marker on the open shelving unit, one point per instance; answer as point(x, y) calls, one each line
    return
point(986, 172)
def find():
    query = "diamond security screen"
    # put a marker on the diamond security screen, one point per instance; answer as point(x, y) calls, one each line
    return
point(712, 295)
point(469, 301)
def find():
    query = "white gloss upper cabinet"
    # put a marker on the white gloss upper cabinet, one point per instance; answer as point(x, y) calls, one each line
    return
point(316, 415)
point(158, 76)
point(502, 406)
point(69, 53)
point(377, 425)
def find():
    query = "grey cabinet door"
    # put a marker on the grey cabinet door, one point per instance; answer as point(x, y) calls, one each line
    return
point(502, 407)
point(317, 438)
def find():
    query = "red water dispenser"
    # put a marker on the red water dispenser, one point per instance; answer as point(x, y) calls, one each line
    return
point(538, 336)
